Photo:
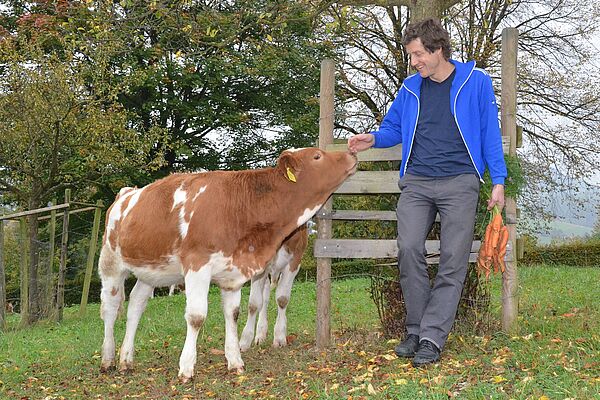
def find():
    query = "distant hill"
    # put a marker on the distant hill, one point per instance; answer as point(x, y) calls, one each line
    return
point(561, 230)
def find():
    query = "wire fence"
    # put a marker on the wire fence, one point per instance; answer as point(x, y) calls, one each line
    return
point(32, 260)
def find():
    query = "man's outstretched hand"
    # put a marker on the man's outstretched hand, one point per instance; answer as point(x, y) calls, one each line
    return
point(360, 142)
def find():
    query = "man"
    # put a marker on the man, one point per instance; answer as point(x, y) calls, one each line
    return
point(446, 117)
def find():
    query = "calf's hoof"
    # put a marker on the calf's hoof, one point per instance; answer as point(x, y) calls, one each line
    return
point(125, 367)
point(245, 346)
point(236, 367)
point(280, 342)
point(237, 371)
point(107, 366)
point(184, 378)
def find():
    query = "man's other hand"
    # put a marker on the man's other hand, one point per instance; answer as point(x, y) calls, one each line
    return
point(497, 198)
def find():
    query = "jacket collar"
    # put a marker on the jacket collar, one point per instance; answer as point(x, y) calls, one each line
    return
point(463, 71)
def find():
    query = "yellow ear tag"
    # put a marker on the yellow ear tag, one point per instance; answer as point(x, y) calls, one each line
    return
point(290, 174)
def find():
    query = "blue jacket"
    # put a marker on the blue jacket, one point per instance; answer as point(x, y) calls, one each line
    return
point(475, 112)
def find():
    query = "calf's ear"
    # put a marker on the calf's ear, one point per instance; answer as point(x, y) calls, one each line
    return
point(289, 166)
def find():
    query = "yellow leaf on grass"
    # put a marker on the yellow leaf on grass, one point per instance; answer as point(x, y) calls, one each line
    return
point(371, 390)
point(357, 388)
point(423, 381)
point(544, 397)
point(390, 357)
point(499, 360)
point(401, 381)
point(498, 379)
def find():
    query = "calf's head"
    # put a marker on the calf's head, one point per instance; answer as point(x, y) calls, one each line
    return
point(323, 170)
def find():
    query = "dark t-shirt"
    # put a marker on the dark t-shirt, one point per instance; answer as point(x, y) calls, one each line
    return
point(438, 148)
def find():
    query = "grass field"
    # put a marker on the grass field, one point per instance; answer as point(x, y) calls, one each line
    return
point(556, 354)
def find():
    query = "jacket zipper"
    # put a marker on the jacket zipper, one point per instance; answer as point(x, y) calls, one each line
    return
point(458, 126)
point(414, 130)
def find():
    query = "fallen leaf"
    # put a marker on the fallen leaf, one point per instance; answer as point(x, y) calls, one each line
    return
point(355, 389)
point(290, 338)
point(498, 379)
point(217, 352)
point(371, 390)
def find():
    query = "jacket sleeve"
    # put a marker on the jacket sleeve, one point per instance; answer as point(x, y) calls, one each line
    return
point(493, 155)
point(390, 132)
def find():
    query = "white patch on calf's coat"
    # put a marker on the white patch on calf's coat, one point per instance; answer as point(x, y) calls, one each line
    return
point(308, 213)
point(115, 212)
point(179, 197)
point(183, 224)
point(135, 196)
point(200, 191)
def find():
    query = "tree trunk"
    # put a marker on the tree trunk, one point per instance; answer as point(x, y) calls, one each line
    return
point(420, 10)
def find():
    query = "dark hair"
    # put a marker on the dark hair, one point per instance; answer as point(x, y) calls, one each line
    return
point(432, 35)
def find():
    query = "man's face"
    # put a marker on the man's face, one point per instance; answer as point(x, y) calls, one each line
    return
point(427, 64)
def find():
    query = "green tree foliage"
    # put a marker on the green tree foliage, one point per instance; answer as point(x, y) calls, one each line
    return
point(233, 82)
point(58, 130)
point(56, 133)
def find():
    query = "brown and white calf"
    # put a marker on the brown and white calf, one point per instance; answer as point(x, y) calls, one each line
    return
point(282, 271)
point(221, 226)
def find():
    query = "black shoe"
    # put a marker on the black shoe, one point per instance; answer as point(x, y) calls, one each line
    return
point(408, 347)
point(428, 353)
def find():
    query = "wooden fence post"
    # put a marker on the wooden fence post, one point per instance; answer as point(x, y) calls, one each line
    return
point(2, 280)
point(326, 120)
point(510, 300)
point(91, 258)
point(50, 271)
point(60, 289)
point(24, 306)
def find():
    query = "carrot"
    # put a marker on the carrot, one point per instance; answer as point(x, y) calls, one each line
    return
point(493, 248)
point(496, 225)
point(496, 263)
point(488, 249)
point(502, 243)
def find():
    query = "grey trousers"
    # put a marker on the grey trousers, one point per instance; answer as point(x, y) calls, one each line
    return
point(430, 311)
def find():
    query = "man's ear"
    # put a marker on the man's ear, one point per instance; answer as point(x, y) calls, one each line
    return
point(289, 166)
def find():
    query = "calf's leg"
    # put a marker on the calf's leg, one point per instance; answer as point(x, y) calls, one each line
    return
point(196, 286)
point(138, 299)
point(255, 302)
point(231, 310)
point(282, 296)
point(263, 324)
point(111, 297)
